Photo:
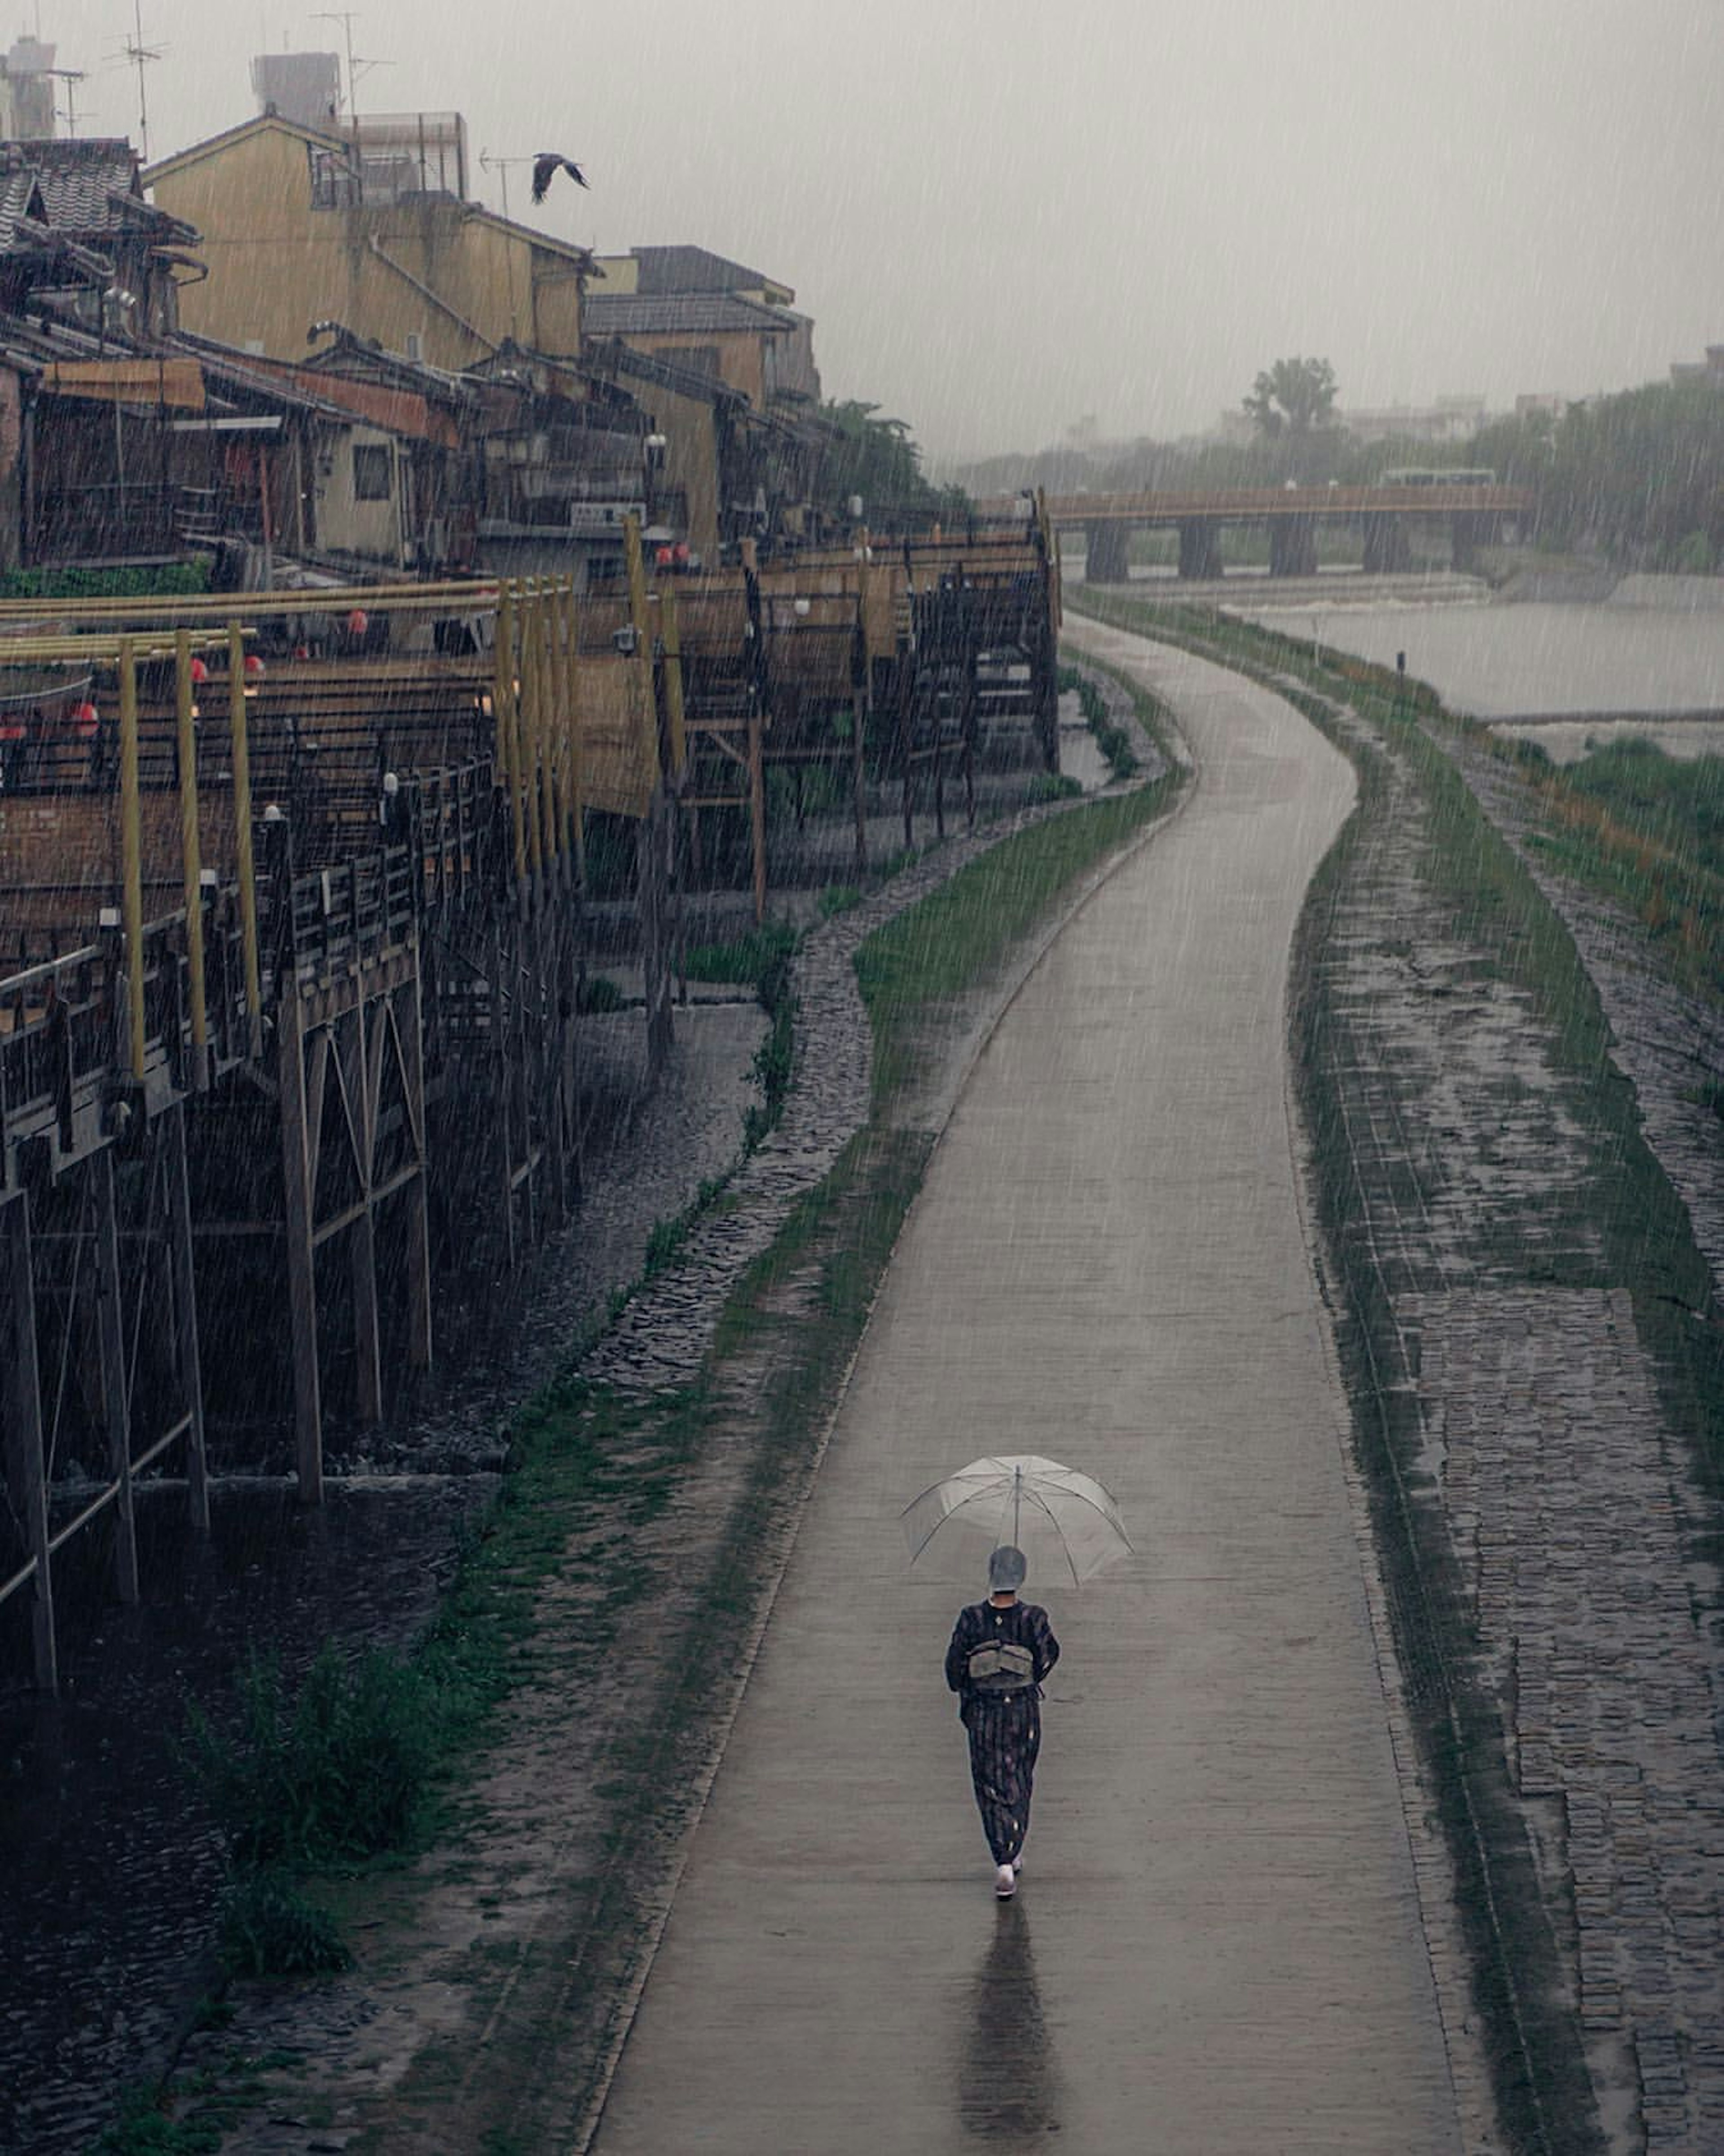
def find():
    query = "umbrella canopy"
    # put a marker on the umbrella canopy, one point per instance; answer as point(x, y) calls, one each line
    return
point(1050, 1512)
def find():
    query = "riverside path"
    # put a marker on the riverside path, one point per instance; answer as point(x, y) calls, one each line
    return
point(1217, 1945)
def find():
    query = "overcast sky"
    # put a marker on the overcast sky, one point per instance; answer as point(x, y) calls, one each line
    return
point(1007, 216)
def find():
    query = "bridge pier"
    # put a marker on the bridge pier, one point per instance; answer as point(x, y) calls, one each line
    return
point(1467, 533)
point(1387, 547)
point(1292, 546)
point(1105, 553)
point(1200, 549)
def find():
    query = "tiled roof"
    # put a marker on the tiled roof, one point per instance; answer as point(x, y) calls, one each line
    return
point(618, 314)
point(17, 196)
point(85, 186)
point(665, 272)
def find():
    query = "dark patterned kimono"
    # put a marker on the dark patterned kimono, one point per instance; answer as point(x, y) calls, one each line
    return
point(1005, 1729)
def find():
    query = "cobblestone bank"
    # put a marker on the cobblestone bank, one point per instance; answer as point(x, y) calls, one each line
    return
point(1543, 1458)
point(1668, 1043)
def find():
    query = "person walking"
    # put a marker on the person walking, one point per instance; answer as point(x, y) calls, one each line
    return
point(1001, 1651)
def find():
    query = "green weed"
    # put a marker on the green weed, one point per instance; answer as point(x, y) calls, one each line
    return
point(268, 1928)
point(333, 1771)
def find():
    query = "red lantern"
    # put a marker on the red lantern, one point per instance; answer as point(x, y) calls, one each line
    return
point(357, 622)
point(200, 673)
point(12, 730)
point(85, 721)
point(680, 553)
point(662, 557)
point(302, 651)
point(253, 667)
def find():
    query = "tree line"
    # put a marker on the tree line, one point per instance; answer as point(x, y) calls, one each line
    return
point(1637, 478)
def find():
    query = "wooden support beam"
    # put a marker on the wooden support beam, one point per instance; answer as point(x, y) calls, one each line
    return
point(25, 1467)
point(192, 857)
point(640, 619)
point(859, 774)
point(240, 757)
point(361, 1240)
point(757, 813)
point(532, 730)
point(577, 776)
point(301, 1259)
point(676, 712)
point(116, 1405)
point(503, 1082)
point(550, 727)
point(132, 858)
point(505, 702)
point(410, 1042)
point(188, 1352)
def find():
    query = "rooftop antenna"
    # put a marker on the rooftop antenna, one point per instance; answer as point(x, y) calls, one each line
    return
point(347, 16)
point(141, 55)
point(71, 77)
point(490, 164)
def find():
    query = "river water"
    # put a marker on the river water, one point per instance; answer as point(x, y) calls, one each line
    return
point(1562, 674)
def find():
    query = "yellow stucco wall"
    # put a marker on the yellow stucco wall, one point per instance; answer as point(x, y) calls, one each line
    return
point(277, 264)
point(739, 356)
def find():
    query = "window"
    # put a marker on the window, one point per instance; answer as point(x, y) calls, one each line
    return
point(371, 471)
point(415, 346)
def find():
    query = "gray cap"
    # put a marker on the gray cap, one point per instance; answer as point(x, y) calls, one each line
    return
point(1006, 1568)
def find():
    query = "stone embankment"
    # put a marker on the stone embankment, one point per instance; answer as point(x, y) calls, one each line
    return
point(1487, 1190)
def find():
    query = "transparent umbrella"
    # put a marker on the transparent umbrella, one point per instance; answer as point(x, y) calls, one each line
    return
point(1053, 1514)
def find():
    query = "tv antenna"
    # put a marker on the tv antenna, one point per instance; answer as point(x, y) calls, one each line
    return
point(347, 16)
point(140, 55)
point(490, 164)
point(71, 77)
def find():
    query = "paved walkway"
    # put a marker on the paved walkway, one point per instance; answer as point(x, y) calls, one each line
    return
point(1217, 1946)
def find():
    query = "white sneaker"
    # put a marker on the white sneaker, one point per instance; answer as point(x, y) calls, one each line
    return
point(1005, 1882)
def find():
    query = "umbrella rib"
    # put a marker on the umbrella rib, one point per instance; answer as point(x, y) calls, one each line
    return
point(1059, 1534)
point(1110, 1512)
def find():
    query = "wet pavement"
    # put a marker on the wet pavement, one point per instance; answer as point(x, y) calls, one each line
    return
point(1219, 1934)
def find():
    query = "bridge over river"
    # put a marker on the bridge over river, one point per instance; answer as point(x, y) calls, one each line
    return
point(1383, 516)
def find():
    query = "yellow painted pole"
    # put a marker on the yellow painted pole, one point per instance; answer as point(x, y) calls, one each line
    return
point(578, 775)
point(131, 854)
point(550, 720)
point(192, 855)
point(506, 702)
point(532, 708)
point(648, 716)
point(240, 740)
point(557, 633)
point(670, 636)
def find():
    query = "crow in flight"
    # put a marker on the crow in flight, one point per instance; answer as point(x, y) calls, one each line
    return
point(545, 170)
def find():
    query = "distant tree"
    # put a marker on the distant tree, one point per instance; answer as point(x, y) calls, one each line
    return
point(1294, 395)
point(878, 460)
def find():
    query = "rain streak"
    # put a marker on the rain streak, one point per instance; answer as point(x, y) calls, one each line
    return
point(861, 1234)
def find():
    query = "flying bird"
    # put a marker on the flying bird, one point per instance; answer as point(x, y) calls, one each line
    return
point(546, 165)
